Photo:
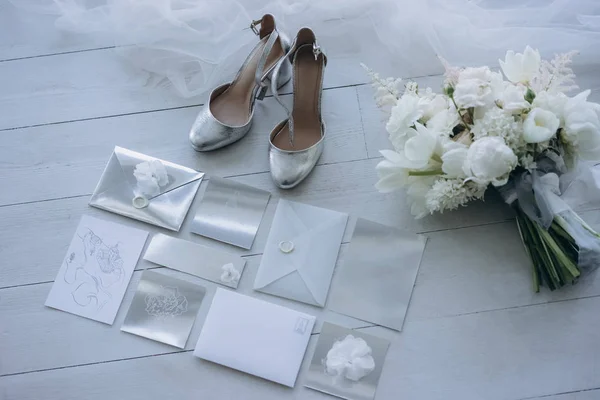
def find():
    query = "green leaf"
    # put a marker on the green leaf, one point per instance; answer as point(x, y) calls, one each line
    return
point(529, 96)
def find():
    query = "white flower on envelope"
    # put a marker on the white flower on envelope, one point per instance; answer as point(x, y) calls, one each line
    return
point(118, 186)
point(303, 274)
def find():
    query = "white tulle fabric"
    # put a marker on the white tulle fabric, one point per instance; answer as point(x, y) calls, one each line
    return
point(196, 44)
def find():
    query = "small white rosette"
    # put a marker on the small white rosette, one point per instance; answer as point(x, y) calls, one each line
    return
point(350, 359)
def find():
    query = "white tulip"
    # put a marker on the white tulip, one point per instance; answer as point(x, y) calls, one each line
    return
point(582, 126)
point(521, 68)
point(489, 160)
point(391, 171)
point(453, 162)
point(476, 87)
point(403, 115)
point(432, 106)
point(540, 125)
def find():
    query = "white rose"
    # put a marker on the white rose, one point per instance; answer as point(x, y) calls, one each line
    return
point(582, 126)
point(521, 67)
point(489, 160)
point(513, 98)
point(230, 274)
point(540, 125)
point(476, 87)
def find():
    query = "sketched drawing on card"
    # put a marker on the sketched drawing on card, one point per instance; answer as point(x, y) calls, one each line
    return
point(93, 270)
point(168, 303)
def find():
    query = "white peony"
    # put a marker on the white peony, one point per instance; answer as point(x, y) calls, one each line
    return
point(488, 160)
point(582, 126)
point(151, 176)
point(540, 126)
point(349, 358)
point(476, 87)
point(512, 98)
point(521, 68)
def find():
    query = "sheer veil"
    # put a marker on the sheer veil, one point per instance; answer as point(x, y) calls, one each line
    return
point(195, 44)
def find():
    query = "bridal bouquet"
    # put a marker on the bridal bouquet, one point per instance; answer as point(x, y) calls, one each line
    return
point(515, 131)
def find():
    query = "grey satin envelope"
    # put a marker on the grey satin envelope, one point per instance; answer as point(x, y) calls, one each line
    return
point(195, 259)
point(164, 309)
point(376, 279)
point(118, 187)
point(230, 212)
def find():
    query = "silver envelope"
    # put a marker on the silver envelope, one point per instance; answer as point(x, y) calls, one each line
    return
point(230, 212)
point(376, 279)
point(195, 259)
point(164, 309)
point(118, 187)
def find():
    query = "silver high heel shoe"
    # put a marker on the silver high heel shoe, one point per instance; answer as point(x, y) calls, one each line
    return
point(298, 141)
point(227, 117)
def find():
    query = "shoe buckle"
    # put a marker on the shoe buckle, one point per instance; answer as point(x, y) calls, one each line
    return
point(316, 50)
point(253, 26)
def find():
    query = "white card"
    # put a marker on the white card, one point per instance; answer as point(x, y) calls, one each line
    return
point(255, 337)
point(94, 275)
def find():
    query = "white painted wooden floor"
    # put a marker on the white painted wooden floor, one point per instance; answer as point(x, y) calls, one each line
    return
point(474, 328)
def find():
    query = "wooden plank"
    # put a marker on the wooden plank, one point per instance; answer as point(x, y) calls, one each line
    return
point(98, 83)
point(47, 339)
point(504, 354)
point(30, 34)
point(463, 272)
point(348, 187)
point(58, 160)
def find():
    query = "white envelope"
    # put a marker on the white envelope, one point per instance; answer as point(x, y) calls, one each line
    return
point(118, 187)
point(314, 236)
point(254, 336)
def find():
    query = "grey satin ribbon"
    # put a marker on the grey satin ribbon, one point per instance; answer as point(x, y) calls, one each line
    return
point(531, 191)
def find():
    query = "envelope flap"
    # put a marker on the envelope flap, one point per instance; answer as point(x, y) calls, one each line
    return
point(178, 174)
point(323, 243)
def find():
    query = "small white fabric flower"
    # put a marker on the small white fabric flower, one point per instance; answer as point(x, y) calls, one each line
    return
point(151, 176)
point(350, 358)
point(476, 87)
point(489, 160)
point(540, 125)
point(521, 67)
point(582, 126)
point(230, 274)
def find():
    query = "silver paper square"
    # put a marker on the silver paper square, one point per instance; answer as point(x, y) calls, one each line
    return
point(195, 259)
point(317, 377)
point(376, 279)
point(164, 309)
point(230, 212)
point(117, 189)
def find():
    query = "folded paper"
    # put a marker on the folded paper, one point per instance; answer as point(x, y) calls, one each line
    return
point(195, 259)
point(135, 185)
point(164, 309)
point(94, 275)
point(376, 278)
point(254, 336)
point(230, 212)
point(347, 363)
point(301, 252)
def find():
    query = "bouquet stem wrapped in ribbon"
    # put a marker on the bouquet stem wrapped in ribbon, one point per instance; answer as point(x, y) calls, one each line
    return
point(519, 136)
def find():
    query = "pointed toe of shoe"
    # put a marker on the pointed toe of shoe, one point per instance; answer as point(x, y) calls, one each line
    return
point(288, 169)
